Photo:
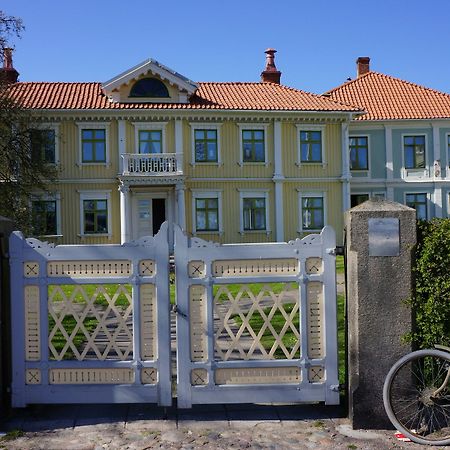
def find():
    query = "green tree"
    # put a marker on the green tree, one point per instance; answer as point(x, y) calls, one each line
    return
point(22, 171)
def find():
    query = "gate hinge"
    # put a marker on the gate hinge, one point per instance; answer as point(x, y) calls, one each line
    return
point(177, 311)
point(337, 251)
point(335, 387)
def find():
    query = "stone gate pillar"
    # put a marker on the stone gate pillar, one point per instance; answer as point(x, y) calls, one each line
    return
point(380, 238)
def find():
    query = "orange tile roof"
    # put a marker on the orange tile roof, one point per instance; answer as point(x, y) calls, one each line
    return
point(387, 98)
point(216, 96)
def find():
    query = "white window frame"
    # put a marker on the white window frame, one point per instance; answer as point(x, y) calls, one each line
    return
point(201, 193)
point(255, 193)
point(95, 195)
point(415, 173)
point(205, 126)
point(306, 127)
point(316, 194)
point(253, 127)
point(365, 171)
point(94, 126)
point(55, 128)
point(150, 126)
point(50, 197)
point(428, 196)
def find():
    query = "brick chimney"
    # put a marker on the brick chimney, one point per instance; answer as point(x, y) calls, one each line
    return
point(8, 73)
point(362, 65)
point(270, 74)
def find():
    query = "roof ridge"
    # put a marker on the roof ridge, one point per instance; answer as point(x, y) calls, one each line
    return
point(390, 77)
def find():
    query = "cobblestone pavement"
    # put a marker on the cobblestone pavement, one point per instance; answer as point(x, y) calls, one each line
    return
point(139, 427)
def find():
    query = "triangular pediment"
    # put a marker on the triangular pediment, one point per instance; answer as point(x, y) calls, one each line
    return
point(180, 88)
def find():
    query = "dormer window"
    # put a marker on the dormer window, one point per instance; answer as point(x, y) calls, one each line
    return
point(149, 87)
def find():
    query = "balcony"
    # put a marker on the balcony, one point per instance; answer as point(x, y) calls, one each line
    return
point(148, 165)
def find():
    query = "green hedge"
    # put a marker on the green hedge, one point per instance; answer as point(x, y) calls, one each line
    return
point(431, 299)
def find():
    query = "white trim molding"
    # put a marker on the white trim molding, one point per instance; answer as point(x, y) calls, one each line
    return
point(253, 193)
point(94, 126)
point(305, 127)
point(205, 126)
point(207, 193)
point(95, 195)
point(389, 153)
point(315, 194)
point(252, 127)
point(149, 126)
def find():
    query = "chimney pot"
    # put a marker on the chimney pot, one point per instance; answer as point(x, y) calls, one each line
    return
point(270, 74)
point(362, 65)
point(8, 74)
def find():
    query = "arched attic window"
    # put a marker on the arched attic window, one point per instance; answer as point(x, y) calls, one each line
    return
point(149, 87)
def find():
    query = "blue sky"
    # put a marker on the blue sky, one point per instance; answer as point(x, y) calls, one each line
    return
point(317, 41)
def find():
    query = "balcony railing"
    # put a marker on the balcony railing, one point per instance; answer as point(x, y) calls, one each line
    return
point(152, 164)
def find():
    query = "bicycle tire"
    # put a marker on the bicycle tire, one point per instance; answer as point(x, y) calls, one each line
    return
point(409, 401)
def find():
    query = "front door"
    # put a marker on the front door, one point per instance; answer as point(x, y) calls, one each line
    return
point(149, 212)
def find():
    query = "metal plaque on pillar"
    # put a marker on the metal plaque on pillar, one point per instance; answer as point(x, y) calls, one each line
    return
point(384, 237)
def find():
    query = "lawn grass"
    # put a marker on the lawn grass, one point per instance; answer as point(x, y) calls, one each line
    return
point(339, 264)
point(90, 323)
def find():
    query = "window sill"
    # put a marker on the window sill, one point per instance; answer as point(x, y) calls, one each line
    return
point(310, 230)
point(50, 236)
point(253, 163)
point(267, 232)
point(310, 163)
point(206, 163)
point(93, 235)
point(203, 232)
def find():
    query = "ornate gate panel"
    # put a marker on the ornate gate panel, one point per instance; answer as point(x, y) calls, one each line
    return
point(90, 323)
point(256, 322)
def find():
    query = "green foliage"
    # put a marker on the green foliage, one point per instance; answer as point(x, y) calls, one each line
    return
point(431, 300)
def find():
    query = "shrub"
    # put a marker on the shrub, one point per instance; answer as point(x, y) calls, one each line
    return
point(431, 298)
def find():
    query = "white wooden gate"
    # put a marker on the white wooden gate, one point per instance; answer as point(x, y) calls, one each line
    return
point(256, 322)
point(90, 323)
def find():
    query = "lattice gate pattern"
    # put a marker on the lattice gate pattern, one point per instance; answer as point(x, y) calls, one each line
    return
point(91, 323)
point(256, 322)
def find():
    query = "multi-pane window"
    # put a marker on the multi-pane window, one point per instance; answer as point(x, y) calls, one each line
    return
point(253, 146)
point(254, 211)
point(357, 199)
point(150, 141)
point(205, 142)
point(414, 148)
point(419, 203)
point(359, 151)
point(44, 219)
point(312, 213)
point(93, 144)
point(311, 146)
point(95, 216)
point(43, 145)
point(207, 214)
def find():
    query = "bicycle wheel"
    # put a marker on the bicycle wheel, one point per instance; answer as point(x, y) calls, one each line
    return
point(416, 396)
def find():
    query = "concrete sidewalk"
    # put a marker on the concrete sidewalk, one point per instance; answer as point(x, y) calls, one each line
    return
point(98, 427)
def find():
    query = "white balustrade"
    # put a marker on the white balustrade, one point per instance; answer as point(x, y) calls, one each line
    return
point(152, 164)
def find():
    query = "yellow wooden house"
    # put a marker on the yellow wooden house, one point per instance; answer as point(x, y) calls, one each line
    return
point(228, 162)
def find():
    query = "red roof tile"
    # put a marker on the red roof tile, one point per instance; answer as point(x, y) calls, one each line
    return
point(388, 98)
point(217, 96)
